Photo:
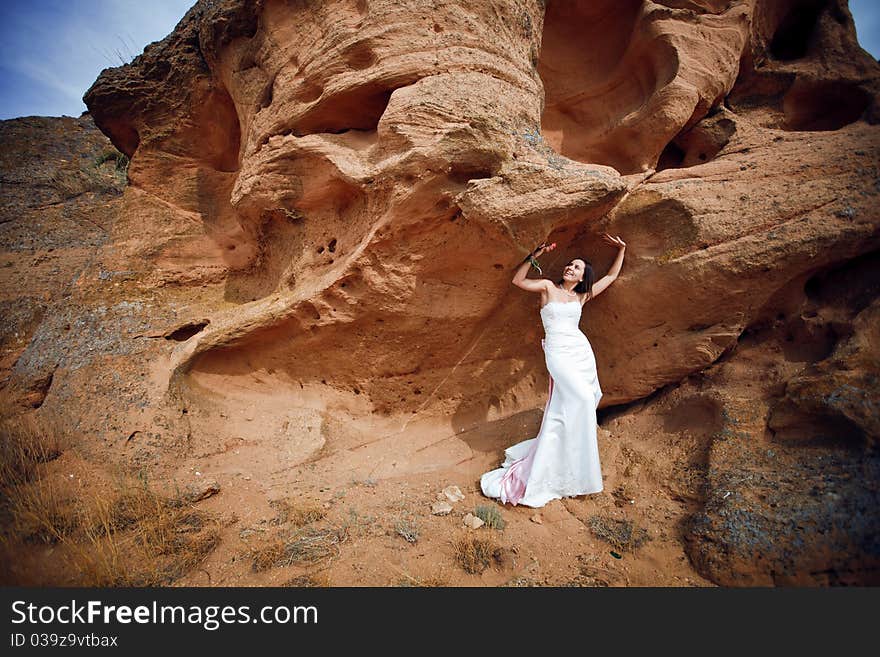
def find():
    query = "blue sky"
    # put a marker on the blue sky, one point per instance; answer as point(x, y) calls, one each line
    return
point(51, 51)
point(867, 16)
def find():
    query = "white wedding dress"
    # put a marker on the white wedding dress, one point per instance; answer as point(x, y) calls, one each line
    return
point(563, 459)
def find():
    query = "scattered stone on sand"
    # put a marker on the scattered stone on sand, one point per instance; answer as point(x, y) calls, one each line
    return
point(200, 491)
point(441, 508)
point(536, 518)
point(471, 521)
point(452, 493)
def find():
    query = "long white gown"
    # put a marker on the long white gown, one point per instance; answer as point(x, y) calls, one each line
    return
point(563, 459)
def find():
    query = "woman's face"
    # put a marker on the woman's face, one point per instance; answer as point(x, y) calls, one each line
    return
point(574, 270)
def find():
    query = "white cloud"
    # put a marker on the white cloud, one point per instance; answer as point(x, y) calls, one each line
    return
point(62, 47)
point(41, 74)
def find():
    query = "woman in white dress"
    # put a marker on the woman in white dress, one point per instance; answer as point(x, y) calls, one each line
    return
point(563, 459)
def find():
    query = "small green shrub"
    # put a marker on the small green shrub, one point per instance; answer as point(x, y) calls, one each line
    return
point(121, 159)
point(490, 515)
point(408, 529)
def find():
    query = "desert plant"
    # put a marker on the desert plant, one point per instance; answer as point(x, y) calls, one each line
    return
point(428, 582)
point(490, 515)
point(307, 545)
point(25, 443)
point(309, 580)
point(474, 555)
point(31, 510)
point(297, 512)
point(408, 529)
point(121, 159)
point(621, 534)
point(122, 534)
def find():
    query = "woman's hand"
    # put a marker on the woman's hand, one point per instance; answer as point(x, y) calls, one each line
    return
point(543, 247)
point(614, 241)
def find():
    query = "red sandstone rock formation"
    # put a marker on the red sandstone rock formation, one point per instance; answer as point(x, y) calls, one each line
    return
point(336, 194)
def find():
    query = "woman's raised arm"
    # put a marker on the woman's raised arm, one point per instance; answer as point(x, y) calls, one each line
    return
point(600, 285)
point(531, 285)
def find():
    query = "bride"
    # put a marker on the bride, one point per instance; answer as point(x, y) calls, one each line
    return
point(563, 459)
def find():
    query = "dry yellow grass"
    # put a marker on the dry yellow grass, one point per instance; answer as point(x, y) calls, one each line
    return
point(621, 534)
point(26, 443)
point(297, 512)
point(474, 554)
point(103, 532)
point(433, 581)
point(306, 545)
point(36, 513)
point(309, 580)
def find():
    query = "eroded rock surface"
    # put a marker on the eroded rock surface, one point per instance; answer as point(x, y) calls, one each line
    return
point(326, 203)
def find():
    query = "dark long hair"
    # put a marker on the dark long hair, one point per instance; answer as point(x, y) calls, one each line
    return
point(585, 285)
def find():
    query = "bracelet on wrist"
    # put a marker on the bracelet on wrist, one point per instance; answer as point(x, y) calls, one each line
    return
point(535, 264)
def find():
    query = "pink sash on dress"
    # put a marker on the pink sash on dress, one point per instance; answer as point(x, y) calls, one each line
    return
point(513, 482)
